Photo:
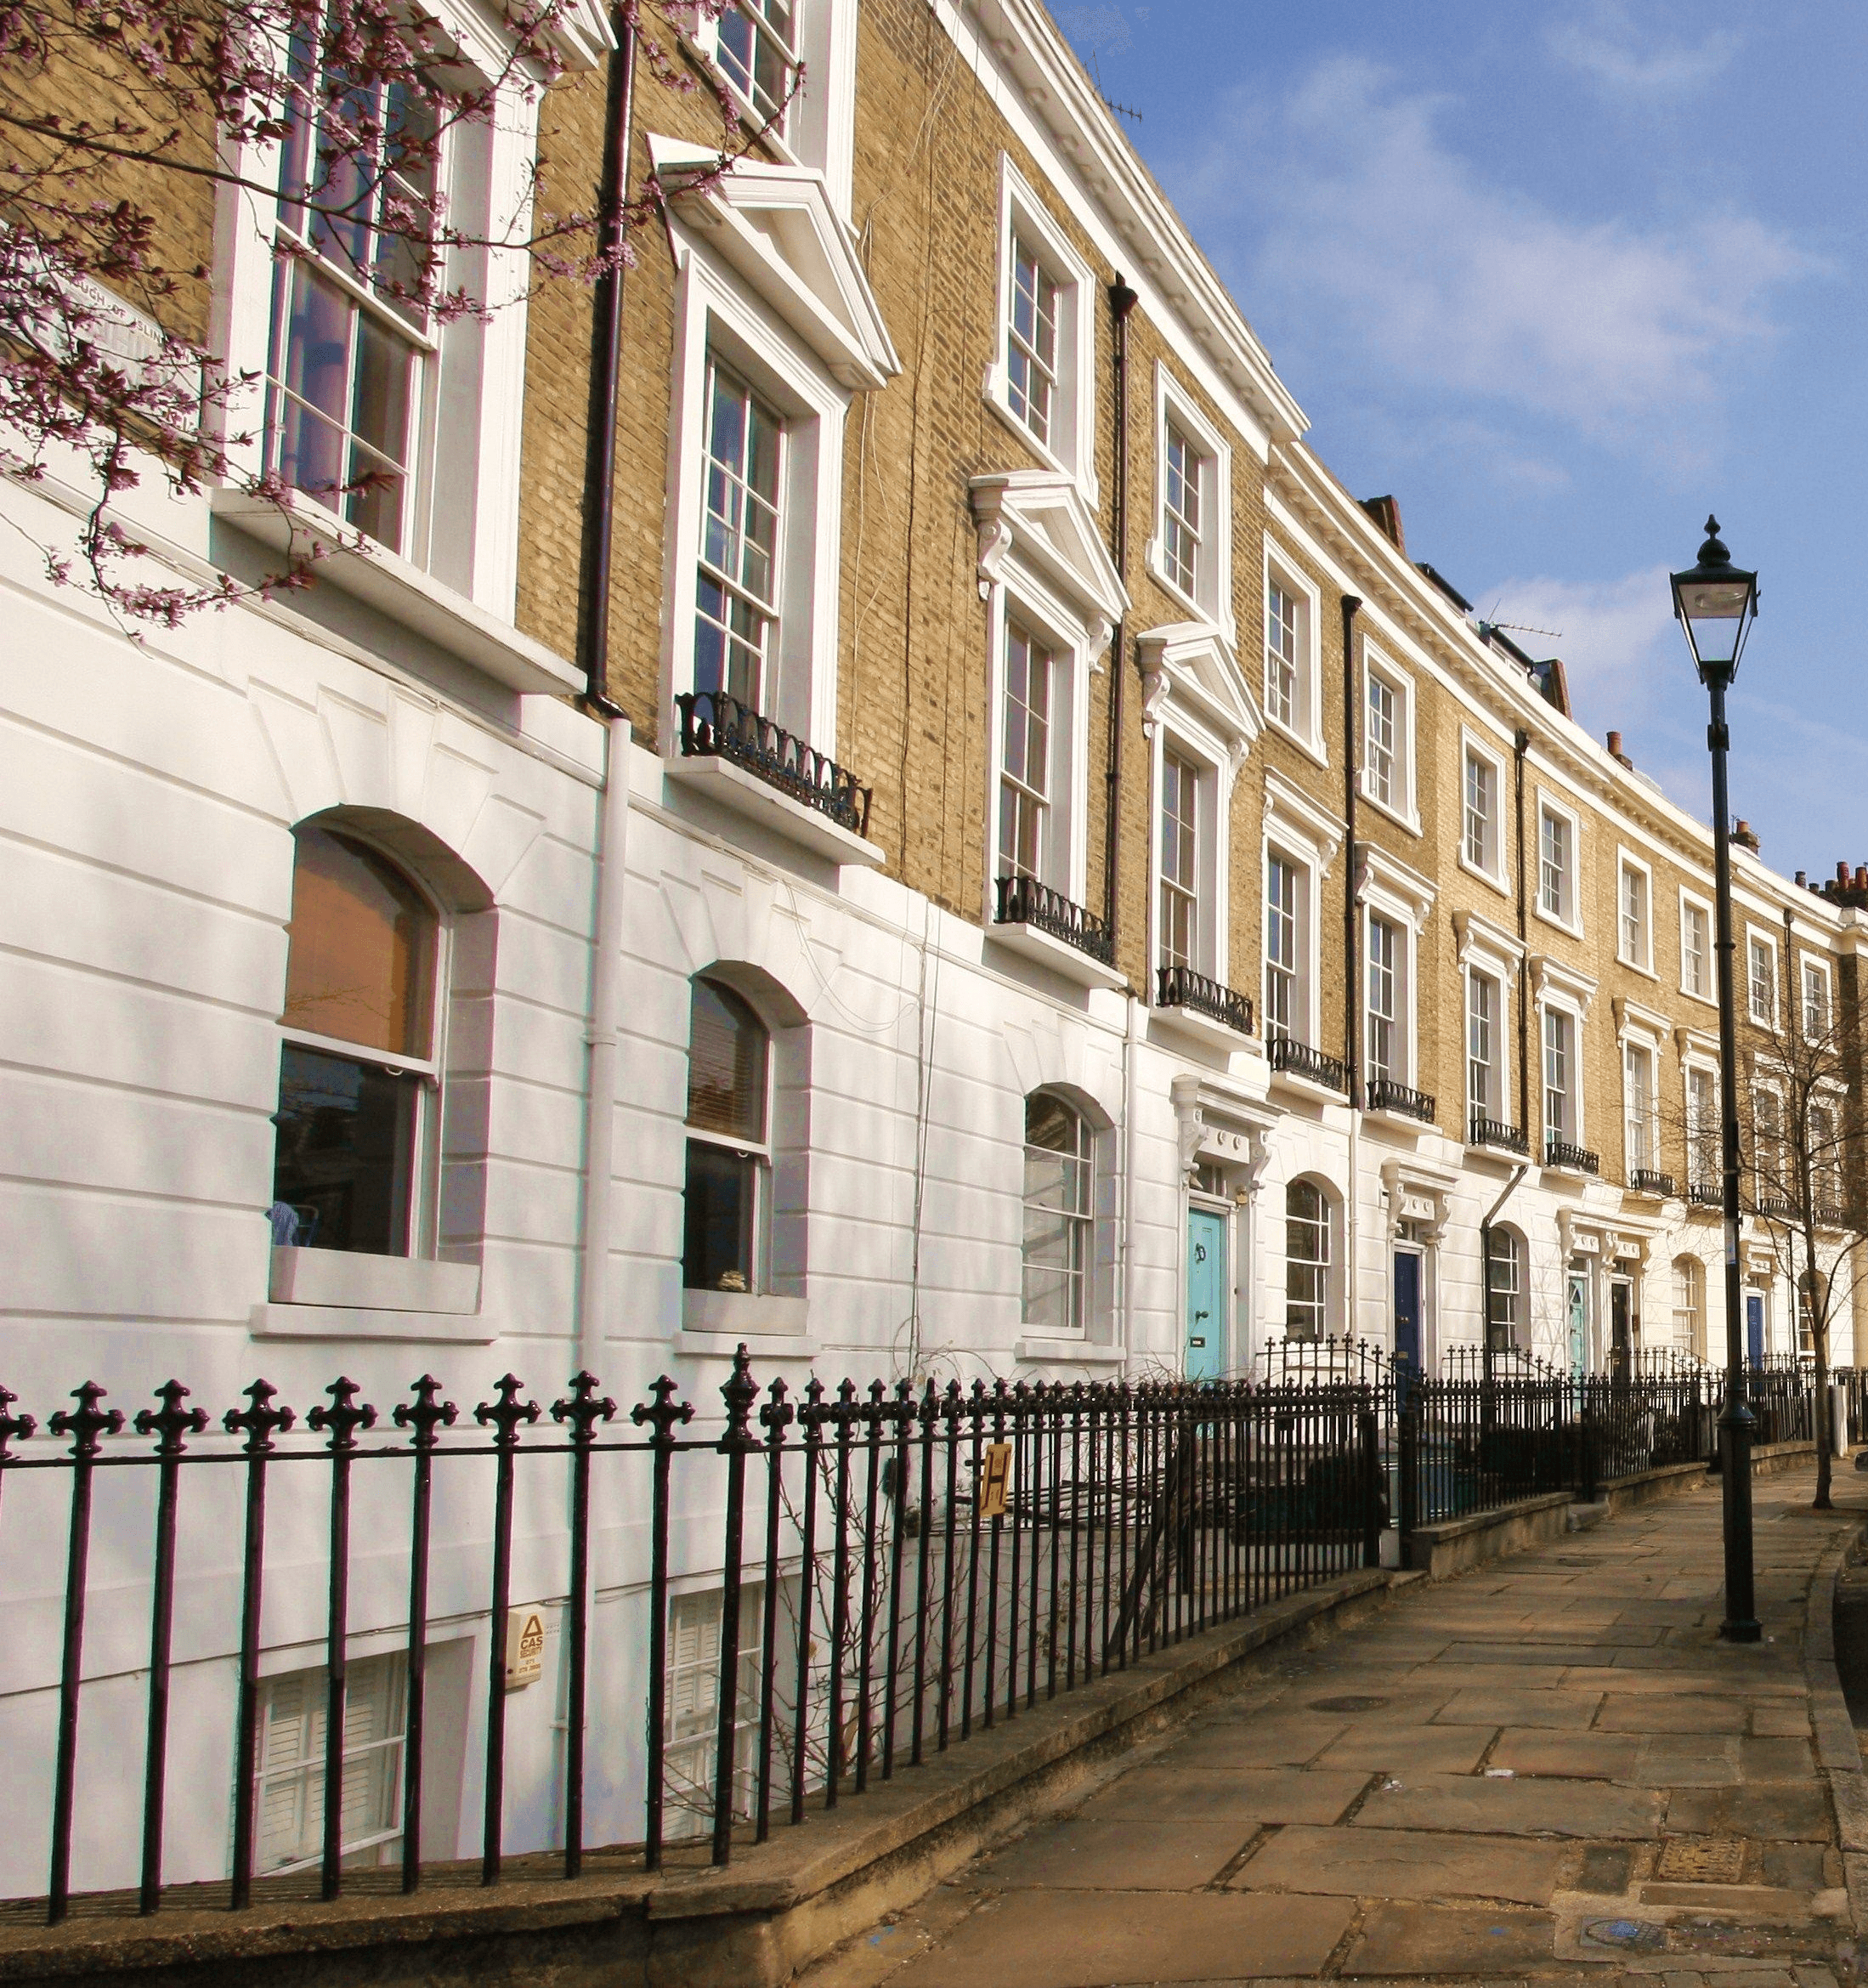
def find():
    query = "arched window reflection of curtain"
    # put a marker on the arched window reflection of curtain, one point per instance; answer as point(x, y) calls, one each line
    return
point(1306, 1261)
point(357, 1069)
point(1060, 1218)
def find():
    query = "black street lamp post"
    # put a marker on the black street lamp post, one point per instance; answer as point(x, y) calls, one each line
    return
point(1715, 603)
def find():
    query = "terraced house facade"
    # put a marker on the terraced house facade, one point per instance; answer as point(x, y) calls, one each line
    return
point(1066, 895)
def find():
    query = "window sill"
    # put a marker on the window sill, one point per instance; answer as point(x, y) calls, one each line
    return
point(1036, 1352)
point(1303, 1086)
point(1084, 478)
point(1202, 1028)
point(1311, 748)
point(1048, 950)
point(386, 581)
point(1635, 966)
point(1217, 616)
point(746, 1313)
point(1705, 1000)
point(1484, 876)
point(341, 1322)
point(1402, 818)
point(1570, 929)
point(347, 1278)
point(733, 787)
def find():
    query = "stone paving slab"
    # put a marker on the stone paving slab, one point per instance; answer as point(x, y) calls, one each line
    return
point(1401, 1863)
point(1501, 1780)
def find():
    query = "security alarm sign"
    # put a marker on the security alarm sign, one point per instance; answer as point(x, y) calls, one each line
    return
point(995, 1479)
point(524, 1647)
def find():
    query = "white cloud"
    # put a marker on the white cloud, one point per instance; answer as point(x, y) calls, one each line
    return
point(1378, 232)
point(1615, 636)
point(1607, 47)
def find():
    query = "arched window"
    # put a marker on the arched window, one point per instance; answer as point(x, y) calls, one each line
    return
point(358, 1071)
point(1504, 1292)
point(1060, 1214)
point(1306, 1261)
point(1689, 1305)
point(729, 1156)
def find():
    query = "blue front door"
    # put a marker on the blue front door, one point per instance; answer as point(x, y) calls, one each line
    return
point(1754, 1328)
point(1206, 1294)
point(1408, 1308)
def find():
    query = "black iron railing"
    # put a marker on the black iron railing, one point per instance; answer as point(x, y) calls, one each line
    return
point(1385, 1094)
point(1560, 1153)
point(1648, 1180)
point(1023, 900)
point(1706, 1193)
point(1299, 1059)
point(892, 1571)
point(1776, 1206)
point(715, 726)
point(1483, 1131)
point(1180, 987)
point(1831, 1215)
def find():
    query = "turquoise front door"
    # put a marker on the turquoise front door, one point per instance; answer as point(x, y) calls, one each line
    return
point(1578, 1295)
point(1206, 1294)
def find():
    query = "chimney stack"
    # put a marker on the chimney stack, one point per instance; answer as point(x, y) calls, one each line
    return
point(1741, 834)
point(1616, 751)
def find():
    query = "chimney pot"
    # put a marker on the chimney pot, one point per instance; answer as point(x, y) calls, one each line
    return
point(1614, 743)
point(1842, 873)
point(1803, 880)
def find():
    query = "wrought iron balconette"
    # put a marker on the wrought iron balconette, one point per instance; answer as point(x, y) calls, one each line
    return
point(1706, 1193)
point(1385, 1094)
point(1648, 1181)
point(715, 726)
point(1831, 1215)
point(1560, 1153)
point(1023, 900)
point(1299, 1059)
point(1777, 1206)
point(1180, 987)
point(1483, 1131)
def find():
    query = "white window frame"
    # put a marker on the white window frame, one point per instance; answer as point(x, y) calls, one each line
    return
point(1401, 805)
point(1305, 727)
point(476, 390)
point(1306, 836)
point(1806, 964)
point(762, 1152)
point(1634, 1044)
point(1211, 595)
point(1498, 1065)
point(1699, 1060)
point(1561, 989)
point(1330, 1305)
point(1388, 889)
point(1212, 769)
point(1571, 1134)
point(1640, 957)
point(716, 317)
point(1024, 218)
point(1708, 994)
point(1472, 747)
point(1569, 919)
point(1757, 936)
point(1490, 951)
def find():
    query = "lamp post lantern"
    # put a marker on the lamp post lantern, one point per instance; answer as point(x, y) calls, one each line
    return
point(1715, 602)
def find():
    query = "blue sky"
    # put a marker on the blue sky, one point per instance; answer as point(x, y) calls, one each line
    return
point(1563, 278)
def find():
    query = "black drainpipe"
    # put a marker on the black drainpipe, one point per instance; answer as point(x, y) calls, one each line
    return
point(1352, 1002)
point(1520, 745)
point(606, 373)
point(1122, 301)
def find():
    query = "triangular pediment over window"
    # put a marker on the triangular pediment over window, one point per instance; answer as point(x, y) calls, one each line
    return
point(775, 227)
point(1190, 665)
point(1039, 517)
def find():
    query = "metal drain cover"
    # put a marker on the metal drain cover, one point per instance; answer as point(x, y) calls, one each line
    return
point(1703, 1860)
point(1347, 1704)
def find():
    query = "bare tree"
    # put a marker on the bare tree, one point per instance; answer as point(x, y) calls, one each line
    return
point(121, 121)
point(1796, 1121)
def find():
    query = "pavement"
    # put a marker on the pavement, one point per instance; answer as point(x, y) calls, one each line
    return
point(1549, 1769)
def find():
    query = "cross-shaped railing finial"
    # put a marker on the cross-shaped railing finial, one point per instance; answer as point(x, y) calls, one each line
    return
point(87, 1422)
point(777, 1415)
point(12, 1425)
point(583, 1408)
point(344, 1417)
point(663, 1413)
point(171, 1422)
point(505, 1415)
point(426, 1413)
point(260, 1423)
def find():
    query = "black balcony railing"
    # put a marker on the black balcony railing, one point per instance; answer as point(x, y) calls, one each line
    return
point(1831, 1215)
point(1299, 1059)
point(1777, 1206)
point(1647, 1180)
point(1180, 987)
point(1385, 1094)
point(714, 726)
point(1560, 1153)
point(1023, 900)
point(1483, 1131)
point(1706, 1193)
